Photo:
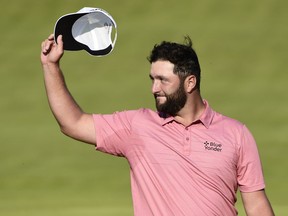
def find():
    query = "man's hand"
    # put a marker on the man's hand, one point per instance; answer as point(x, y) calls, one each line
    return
point(52, 52)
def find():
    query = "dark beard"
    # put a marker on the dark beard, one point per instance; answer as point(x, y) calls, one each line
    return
point(174, 102)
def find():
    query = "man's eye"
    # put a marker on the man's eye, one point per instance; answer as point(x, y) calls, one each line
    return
point(163, 80)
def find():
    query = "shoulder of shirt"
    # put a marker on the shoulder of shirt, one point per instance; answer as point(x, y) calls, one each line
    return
point(227, 121)
point(146, 113)
point(143, 115)
point(143, 112)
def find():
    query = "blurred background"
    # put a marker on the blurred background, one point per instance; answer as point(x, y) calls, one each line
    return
point(243, 55)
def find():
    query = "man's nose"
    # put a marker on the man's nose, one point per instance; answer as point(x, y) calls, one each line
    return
point(155, 87)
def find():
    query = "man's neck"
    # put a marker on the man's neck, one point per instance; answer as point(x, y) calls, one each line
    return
point(191, 112)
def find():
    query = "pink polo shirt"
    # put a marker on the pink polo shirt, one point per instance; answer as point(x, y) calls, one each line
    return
point(178, 170)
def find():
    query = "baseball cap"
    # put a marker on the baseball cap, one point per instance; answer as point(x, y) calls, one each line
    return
point(90, 29)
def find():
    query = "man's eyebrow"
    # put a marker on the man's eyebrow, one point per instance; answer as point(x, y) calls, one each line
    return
point(156, 77)
point(151, 77)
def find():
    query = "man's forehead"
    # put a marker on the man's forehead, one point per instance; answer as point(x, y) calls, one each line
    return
point(162, 67)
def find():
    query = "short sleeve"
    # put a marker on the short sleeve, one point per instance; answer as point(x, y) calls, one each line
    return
point(249, 170)
point(113, 131)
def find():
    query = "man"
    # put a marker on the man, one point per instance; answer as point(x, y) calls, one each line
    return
point(185, 159)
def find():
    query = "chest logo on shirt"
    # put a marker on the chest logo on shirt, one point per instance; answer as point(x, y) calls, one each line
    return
point(212, 146)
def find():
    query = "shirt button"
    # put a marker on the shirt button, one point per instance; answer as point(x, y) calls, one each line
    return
point(187, 138)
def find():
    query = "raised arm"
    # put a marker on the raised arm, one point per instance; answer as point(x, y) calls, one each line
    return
point(256, 203)
point(72, 120)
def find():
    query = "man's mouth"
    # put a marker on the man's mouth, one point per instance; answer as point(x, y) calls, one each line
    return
point(159, 96)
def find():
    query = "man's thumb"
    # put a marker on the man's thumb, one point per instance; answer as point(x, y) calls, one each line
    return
point(60, 42)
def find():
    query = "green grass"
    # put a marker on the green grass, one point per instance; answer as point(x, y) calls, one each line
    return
point(242, 47)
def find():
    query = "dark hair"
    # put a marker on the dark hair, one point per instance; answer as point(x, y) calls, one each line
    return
point(183, 56)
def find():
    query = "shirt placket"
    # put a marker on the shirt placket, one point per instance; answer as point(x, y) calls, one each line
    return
point(187, 141)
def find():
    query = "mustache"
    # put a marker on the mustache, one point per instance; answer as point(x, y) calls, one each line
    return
point(159, 95)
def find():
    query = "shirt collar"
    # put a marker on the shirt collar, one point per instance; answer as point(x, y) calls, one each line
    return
point(206, 117)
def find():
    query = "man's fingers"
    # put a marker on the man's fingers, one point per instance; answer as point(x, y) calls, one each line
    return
point(46, 46)
point(51, 37)
point(49, 45)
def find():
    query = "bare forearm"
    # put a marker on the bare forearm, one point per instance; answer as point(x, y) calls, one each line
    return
point(62, 104)
point(71, 119)
point(257, 203)
point(263, 209)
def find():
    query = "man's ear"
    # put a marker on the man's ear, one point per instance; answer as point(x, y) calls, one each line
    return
point(190, 83)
